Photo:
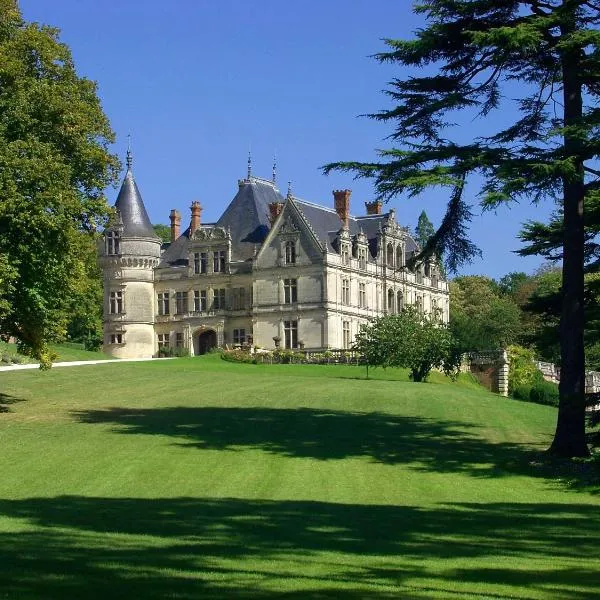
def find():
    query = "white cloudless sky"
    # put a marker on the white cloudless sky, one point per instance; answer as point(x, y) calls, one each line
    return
point(199, 83)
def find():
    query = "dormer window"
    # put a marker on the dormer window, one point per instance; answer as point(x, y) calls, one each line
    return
point(113, 243)
point(200, 263)
point(219, 261)
point(290, 252)
point(345, 254)
point(362, 258)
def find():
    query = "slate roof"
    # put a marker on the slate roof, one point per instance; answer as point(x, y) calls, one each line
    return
point(247, 220)
point(326, 224)
point(132, 210)
point(247, 216)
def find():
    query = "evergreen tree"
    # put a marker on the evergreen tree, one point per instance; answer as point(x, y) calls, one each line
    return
point(424, 230)
point(54, 165)
point(543, 57)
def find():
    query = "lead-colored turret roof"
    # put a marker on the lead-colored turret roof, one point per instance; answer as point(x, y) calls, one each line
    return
point(131, 207)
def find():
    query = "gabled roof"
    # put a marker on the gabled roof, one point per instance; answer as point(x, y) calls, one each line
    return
point(132, 210)
point(247, 216)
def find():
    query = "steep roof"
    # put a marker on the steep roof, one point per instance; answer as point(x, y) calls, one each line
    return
point(132, 210)
point(247, 216)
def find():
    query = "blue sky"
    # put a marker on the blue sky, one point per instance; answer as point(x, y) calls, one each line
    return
point(198, 83)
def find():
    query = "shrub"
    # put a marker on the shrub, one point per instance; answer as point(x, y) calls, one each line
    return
point(544, 392)
point(238, 355)
point(522, 370)
point(170, 352)
point(522, 392)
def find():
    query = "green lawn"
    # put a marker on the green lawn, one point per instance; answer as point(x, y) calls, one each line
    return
point(197, 478)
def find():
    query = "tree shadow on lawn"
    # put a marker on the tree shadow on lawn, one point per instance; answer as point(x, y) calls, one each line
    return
point(187, 548)
point(424, 444)
point(6, 400)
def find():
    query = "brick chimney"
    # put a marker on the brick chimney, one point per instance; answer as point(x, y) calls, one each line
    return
point(274, 211)
point(342, 205)
point(374, 208)
point(175, 224)
point(196, 210)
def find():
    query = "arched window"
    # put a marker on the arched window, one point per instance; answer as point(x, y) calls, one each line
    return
point(399, 257)
point(399, 301)
point(389, 259)
point(390, 301)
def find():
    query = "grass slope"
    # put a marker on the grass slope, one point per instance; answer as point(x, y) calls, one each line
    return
point(65, 353)
point(199, 478)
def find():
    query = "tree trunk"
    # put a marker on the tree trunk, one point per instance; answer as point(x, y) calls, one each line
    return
point(569, 439)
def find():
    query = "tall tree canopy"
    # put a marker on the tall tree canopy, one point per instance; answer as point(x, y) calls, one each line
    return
point(475, 58)
point(54, 164)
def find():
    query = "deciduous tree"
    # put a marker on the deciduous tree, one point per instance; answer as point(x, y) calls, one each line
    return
point(54, 166)
point(410, 340)
point(474, 58)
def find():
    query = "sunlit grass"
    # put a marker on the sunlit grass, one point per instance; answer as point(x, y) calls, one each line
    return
point(197, 478)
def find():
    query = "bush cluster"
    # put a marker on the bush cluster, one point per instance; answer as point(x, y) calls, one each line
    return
point(170, 352)
point(526, 382)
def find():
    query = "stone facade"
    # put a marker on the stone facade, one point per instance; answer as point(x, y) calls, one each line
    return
point(272, 271)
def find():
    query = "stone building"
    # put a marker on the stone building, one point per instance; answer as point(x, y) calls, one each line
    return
point(272, 271)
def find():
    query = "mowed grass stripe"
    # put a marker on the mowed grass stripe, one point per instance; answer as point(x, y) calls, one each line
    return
point(199, 478)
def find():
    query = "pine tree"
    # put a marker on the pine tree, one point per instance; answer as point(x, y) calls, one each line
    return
point(473, 59)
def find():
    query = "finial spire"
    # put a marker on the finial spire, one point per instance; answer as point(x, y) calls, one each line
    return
point(274, 169)
point(129, 159)
point(249, 164)
point(289, 192)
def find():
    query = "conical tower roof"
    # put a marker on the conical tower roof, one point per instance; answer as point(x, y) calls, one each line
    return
point(131, 207)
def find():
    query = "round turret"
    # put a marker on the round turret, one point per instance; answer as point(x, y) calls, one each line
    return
point(129, 253)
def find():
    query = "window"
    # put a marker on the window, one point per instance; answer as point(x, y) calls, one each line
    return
point(346, 291)
point(389, 259)
point(219, 299)
point(290, 288)
point(290, 253)
point(345, 254)
point(181, 303)
point(390, 300)
point(163, 303)
point(362, 295)
point(116, 338)
point(362, 258)
point(200, 300)
point(200, 263)
point(435, 310)
point(238, 298)
point(399, 301)
point(399, 257)
point(290, 329)
point(113, 243)
point(346, 334)
point(219, 261)
point(115, 306)
point(419, 303)
point(179, 340)
point(163, 340)
point(239, 336)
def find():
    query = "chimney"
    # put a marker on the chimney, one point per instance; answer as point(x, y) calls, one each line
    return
point(342, 205)
point(374, 208)
point(196, 210)
point(274, 210)
point(175, 224)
